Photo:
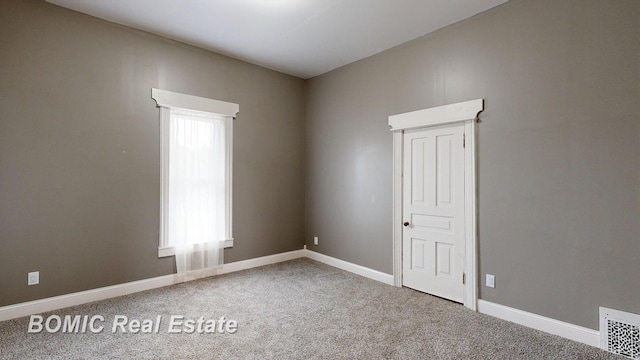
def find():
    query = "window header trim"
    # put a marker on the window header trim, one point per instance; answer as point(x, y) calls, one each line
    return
point(170, 99)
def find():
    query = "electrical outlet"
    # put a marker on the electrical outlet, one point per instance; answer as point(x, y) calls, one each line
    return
point(315, 240)
point(491, 281)
point(33, 278)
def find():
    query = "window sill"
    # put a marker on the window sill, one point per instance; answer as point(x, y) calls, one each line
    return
point(171, 251)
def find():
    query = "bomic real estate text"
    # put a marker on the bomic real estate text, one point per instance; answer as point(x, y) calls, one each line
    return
point(177, 324)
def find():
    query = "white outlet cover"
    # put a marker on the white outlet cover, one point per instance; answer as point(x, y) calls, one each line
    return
point(491, 281)
point(33, 278)
point(315, 240)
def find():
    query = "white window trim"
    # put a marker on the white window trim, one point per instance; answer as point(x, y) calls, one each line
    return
point(167, 100)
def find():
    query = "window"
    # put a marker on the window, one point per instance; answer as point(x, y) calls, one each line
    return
point(195, 215)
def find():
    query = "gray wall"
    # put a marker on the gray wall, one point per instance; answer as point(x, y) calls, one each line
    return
point(559, 171)
point(559, 175)
point(79, 150)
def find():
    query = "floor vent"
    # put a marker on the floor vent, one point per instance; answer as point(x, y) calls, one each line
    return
point(620, 333)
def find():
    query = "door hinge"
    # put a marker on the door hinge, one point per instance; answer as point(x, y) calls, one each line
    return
point(464, 278)
point(464, 140)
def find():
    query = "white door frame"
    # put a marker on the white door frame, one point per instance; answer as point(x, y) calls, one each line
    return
point(463, 112)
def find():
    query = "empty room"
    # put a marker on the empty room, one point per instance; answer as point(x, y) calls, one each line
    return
point(319, 179)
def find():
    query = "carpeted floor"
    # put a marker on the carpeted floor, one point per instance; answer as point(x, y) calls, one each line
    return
point(299, 309)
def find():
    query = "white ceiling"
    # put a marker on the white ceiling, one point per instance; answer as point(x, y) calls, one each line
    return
point(303, 38)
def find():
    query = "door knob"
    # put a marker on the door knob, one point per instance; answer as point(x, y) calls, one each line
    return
point(406, 223)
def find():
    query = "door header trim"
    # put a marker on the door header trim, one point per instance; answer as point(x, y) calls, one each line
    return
point(440, 115)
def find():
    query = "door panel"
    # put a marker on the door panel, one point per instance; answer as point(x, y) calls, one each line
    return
point(433, 204)
point(443, 170)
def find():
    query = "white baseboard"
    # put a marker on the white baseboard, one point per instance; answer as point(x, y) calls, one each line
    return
point(350, 267)
point(552, 326)
point(261, 261)
point(83, 297)
point(548, 325)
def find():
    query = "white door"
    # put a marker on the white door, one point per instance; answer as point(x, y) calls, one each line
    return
point(433, 239)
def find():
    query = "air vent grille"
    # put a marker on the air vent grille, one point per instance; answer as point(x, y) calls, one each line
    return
point(620, 333)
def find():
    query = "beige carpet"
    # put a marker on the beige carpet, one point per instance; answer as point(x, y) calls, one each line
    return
point(299, 309)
